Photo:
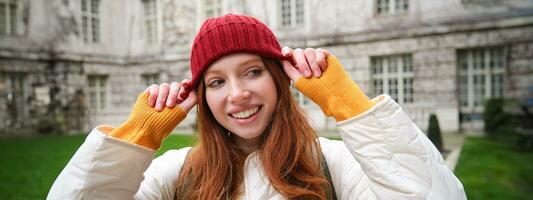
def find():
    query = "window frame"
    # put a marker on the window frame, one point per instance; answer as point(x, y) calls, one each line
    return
point(480, 65)
point(97, 101)
point(215, 8)
point(296, 13)
point(150, 33)
point(90, 21)
point(399, 84)
point(11, 17)
point(150, 78)
point(392, 7)
point(15, 92)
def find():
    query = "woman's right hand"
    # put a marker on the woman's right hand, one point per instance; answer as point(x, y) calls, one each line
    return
point(165, 95)
point(148, 126)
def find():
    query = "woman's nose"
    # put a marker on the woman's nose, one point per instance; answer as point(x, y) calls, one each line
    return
point(238, 94)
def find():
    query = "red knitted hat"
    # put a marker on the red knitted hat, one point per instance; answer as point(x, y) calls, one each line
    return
point(227, 34)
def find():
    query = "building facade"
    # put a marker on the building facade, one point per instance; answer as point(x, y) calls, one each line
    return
point(69, 65)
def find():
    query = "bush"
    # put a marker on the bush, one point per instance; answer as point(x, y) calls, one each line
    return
point(497, 121)
point(434, 132)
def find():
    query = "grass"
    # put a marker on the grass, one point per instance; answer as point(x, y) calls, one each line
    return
point(492, 169)
point(29, 166)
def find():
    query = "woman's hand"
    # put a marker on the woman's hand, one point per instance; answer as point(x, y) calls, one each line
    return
point(148, 126)
point(308, 63)
point(330, 86)
point(166, 95)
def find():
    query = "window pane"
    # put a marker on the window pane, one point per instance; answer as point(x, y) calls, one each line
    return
point(383, 6)
point(463, 61)
point(92, 99)
point(84, 27)
point(150, 79)
point(393, 88)
point(286, 12)
point(13, 18)
point(92, 81)
point(497, 85)
point(84, 5)
point(408, 90)
point(103, 98)
point(3, 19)
point(393, 65)
point(95, 6)
point(401, 5)
point(378, 67)
point(407, 64)
point(479, 90)
point(95, 29)
point(496, 58)
point(299, 12)
point(478, 60)
point(463, 81)
point(378, 87)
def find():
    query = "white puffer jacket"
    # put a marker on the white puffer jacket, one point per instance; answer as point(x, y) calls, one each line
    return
point(383, 155)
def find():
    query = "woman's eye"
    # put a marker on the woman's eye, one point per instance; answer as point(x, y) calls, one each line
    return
point(254, 72)
point(215, 83)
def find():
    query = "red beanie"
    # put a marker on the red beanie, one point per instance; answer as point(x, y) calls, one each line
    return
point(227, 34)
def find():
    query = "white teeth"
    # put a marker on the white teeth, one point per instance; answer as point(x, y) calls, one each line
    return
point(246, 113)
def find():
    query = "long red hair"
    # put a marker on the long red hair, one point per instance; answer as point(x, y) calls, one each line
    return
point(289, 152)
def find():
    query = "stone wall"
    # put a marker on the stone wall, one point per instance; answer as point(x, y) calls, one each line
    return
point(55, 62)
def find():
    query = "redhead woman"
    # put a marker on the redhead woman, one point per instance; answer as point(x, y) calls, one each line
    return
point(254, 140)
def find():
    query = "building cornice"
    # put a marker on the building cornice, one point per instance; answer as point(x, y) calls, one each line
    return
point(411, 31)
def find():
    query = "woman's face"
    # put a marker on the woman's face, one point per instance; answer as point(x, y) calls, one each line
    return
point(241, 94)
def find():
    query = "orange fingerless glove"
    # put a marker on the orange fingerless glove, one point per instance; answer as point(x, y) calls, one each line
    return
point(335, 92)
point(146, 126)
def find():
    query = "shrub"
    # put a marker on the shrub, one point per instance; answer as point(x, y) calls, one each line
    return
point(495, 119)
point(434, 132)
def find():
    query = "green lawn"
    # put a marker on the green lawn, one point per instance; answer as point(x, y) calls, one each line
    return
point(495, 170)
point(29, 166)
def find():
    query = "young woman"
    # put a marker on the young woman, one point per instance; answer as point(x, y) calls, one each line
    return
point(255, 142)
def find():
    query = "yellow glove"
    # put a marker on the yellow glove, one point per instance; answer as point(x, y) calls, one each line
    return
point(146, 126)
point(335, 92)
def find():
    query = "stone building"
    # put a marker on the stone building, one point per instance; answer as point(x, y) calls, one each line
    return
point(72, 64)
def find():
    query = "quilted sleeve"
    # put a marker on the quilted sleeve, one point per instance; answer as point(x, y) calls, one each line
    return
point(396, 158)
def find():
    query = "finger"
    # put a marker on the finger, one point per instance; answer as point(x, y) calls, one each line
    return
point(189, 102)
point(182, 94)
point(301, 62)
point(162, 97)
point(311, 60)
point(321, 56)
point(173, 95)
point(291, 71)
point(154, 91)
point(286, 51)
point(147, 90)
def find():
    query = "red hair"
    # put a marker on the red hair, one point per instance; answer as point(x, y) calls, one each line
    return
point(289, 152)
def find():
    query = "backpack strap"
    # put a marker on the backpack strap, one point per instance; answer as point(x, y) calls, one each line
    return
point(330, 193)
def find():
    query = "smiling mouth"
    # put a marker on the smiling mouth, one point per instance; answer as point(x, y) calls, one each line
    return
point(245, 114)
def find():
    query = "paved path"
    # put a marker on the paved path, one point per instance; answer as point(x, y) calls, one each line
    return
point(454, 143)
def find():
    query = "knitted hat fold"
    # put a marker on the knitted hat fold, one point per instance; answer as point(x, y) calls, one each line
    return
point(227, 34)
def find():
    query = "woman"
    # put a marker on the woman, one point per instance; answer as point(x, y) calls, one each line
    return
point(255, 142)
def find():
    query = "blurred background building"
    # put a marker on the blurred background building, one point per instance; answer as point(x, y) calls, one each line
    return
point(73, 64)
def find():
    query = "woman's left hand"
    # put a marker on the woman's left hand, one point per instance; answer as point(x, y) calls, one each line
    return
point(309, 62)
point(332, 88)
